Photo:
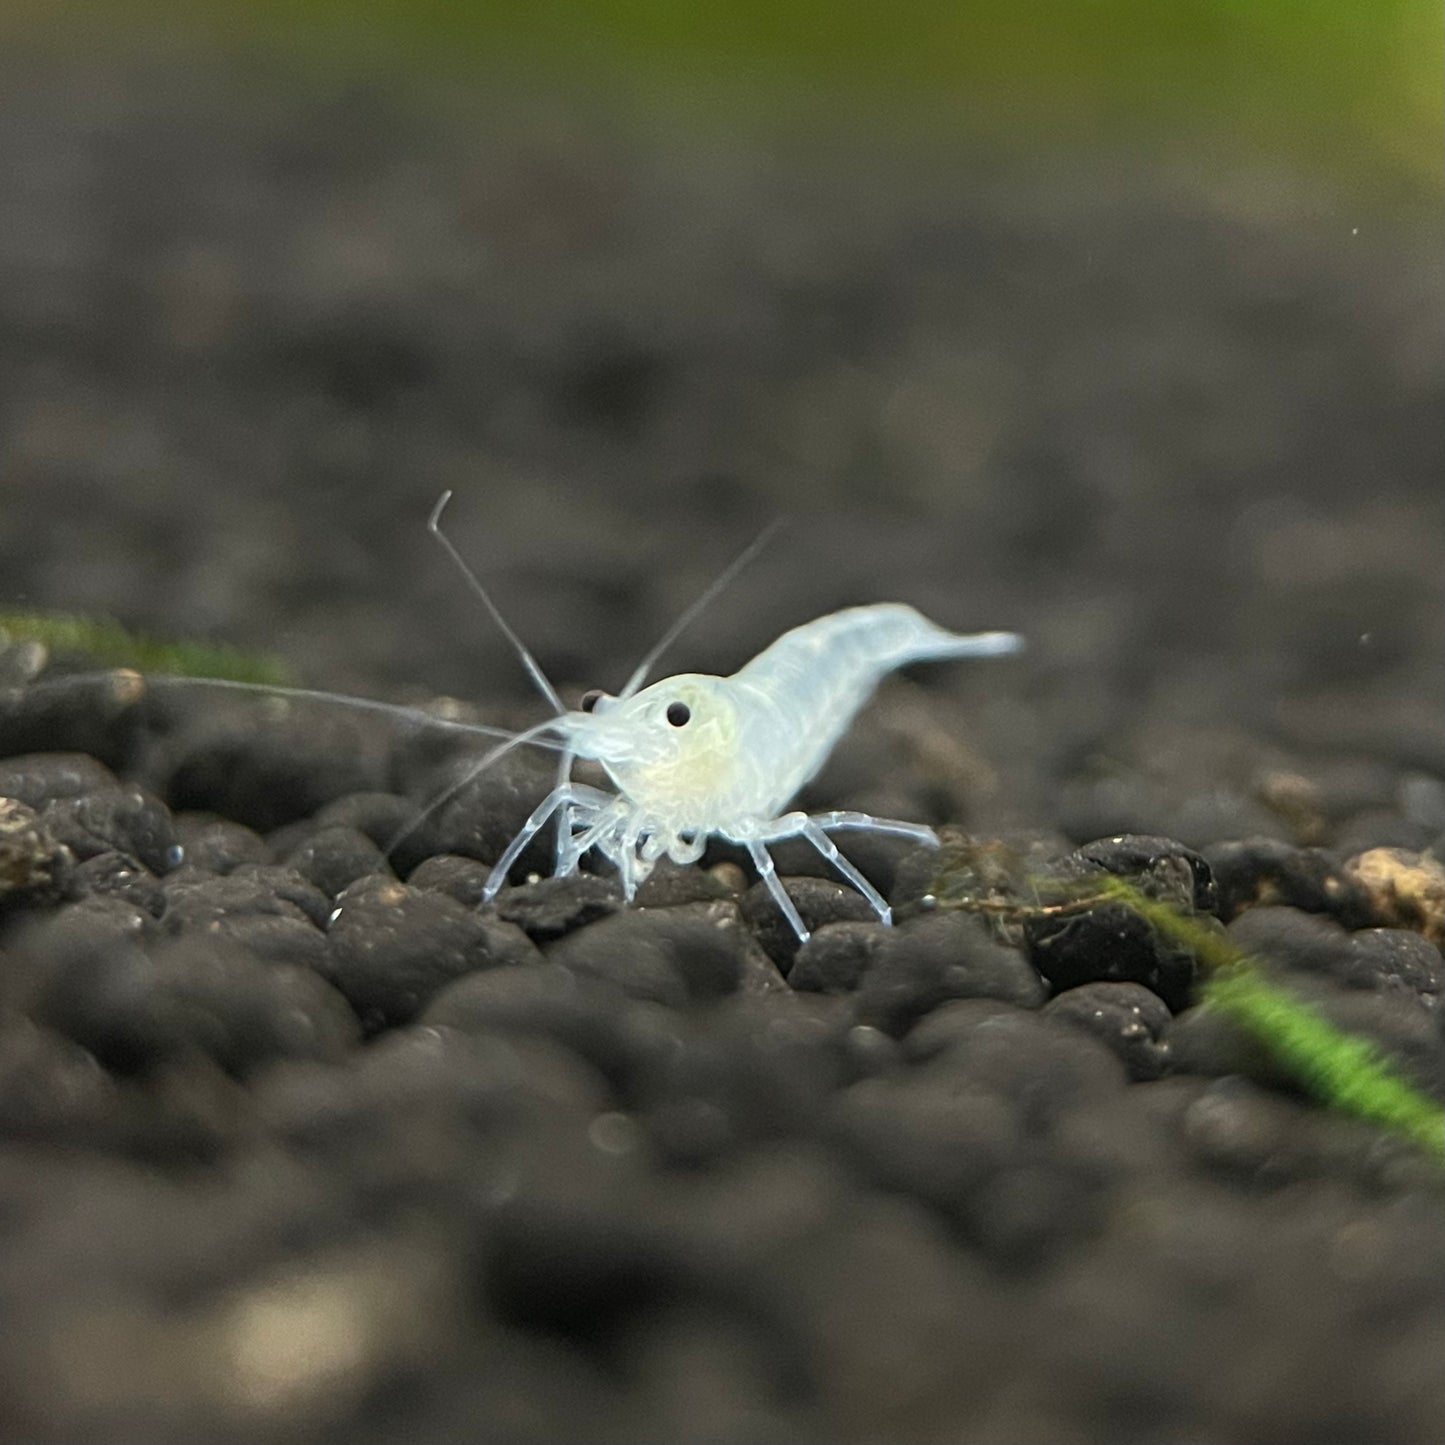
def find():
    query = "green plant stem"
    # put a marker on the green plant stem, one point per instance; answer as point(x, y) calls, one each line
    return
point(1342, 1070)
point(112, 645)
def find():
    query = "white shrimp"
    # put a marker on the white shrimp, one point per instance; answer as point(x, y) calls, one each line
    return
point(692, 756)
point(695, 756)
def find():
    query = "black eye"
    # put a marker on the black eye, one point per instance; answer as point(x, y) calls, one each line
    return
point(591, 698)
point(678, 714)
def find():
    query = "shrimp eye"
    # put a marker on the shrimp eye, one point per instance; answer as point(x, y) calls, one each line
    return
point(678, 713)
point(591, 698)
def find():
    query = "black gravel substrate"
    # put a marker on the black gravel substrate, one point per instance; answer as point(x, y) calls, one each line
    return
point(297, 1144)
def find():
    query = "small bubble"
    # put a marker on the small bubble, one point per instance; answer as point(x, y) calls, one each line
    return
point(614, 1133)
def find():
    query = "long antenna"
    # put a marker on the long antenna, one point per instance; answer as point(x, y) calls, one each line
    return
point(534, 668)
point(153, 683)
point(691, 614)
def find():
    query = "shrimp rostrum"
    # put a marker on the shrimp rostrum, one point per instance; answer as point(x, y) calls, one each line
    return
point(697, 756)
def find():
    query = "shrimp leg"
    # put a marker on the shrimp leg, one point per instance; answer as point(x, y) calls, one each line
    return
point(795, 825)
point(919, 832)
point(578, 827)
point(813, 832)
point(763, 862)
point(599, 817)
point(569, 795)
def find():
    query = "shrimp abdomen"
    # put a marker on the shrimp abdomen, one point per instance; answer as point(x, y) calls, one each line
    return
point(801, 694)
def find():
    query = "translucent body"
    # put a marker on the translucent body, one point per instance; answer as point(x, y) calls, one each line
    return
point(696, 755)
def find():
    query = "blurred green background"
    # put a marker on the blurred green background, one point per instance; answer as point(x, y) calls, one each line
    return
point(1350, 87)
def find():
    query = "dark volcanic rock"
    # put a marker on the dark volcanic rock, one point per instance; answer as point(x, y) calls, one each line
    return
point(1263, 872)
point(40, 778)
point(120, 874)
point(619, 1036)
point(265, 777)
point(217, 845)
point(668, 955)
point(136, 1003)
point(475, 816)
point(392, 947)
point(835, 957)
point(1383, 959)
point(751, 1067)
point(381, 816)
point(196, 900)
point(123, 819)
point(335, 856)
point(936, 957)
point(551, 907)
point(819, 901)
point(463, 879)
point(1125, 1016)
point(963, 1131)
point(1106, 941)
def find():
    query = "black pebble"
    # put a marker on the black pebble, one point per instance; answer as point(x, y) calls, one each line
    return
point(670, 884)
point(620, 1037)
point(51, 1089)
point(1108, 942)
point(1044, 1067)
point(668, 955)
point(288, 885)
point(124, 819)
point(267, 776)
point(1264, 871)
point(197, 900)
point(217, 845)
point(551, 907)
point(272, 938)
point(581, 1266)
point(1126, 1017)
point(749, 1068)
point(939, 956)
point(482, 816)
point(40, 778)
point(136, 1002)
point(818, 901)
point(835, 957)
point(333, 857)
point(1384, 959)
point(393, 947)
point(464, 879)
point(120, 874)
point(1031, 1200)
point(965, 1129)
point(1162, 863)
point(381, 816)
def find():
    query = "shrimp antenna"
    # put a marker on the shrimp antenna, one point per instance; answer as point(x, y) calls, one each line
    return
point(691, 614)
point(415, 716)
point(534, 668)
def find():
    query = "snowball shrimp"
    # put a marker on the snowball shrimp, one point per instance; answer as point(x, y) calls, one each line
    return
point(697, 756)
point(693, 756)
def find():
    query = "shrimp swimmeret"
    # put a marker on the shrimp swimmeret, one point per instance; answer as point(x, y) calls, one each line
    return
point(695, 756)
